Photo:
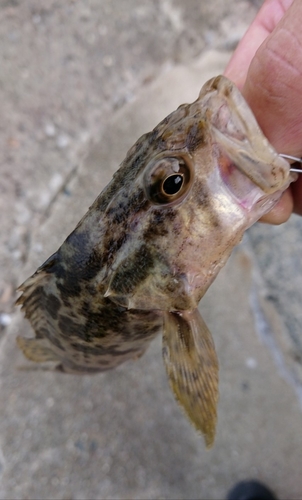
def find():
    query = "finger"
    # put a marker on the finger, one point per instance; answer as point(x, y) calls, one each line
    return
point(273, 90)
point(281, 211)
point(273, 87)
point(266, 20)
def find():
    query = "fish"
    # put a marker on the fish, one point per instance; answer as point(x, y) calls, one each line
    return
point(142, 257)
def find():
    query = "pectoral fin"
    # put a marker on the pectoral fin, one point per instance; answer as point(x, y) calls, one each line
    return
point(36, 350)
point(192, 367)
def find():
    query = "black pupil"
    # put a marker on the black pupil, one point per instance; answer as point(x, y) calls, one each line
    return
point(172, 184)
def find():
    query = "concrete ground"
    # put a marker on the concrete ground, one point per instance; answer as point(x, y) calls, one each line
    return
point(80, 82)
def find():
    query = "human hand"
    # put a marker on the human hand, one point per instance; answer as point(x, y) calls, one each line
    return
point(267, 67)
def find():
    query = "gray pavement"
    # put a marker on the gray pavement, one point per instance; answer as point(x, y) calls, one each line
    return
point(80, 83)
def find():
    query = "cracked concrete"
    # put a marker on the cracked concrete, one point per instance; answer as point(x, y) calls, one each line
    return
point(79, 83)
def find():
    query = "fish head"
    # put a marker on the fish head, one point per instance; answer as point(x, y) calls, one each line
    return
point(183, 197)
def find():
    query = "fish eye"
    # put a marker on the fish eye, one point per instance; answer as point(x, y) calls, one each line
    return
point(167, 180)
point(172, 184)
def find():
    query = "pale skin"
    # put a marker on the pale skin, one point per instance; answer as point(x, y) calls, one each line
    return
point(267, 67)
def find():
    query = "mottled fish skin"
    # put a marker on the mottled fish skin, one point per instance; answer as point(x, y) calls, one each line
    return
point(140, 260)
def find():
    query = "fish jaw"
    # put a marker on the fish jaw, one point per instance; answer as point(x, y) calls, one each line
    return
point(251, 170)
point(237, 132)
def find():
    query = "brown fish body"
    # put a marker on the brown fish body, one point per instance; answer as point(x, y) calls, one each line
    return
point(151, 244)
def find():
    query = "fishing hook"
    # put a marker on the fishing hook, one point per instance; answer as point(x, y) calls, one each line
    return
point(293, 158)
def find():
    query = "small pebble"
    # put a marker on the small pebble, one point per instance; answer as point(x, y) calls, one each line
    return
point(16, 254)
point(38, 247)
point(56, 182)
point(5, 319)
point(63, 141)
point(251, 363)
point(50, 130)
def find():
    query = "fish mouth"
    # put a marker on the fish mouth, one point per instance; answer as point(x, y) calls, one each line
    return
point(250, 168)
point(235, 131)
point(242, 189)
